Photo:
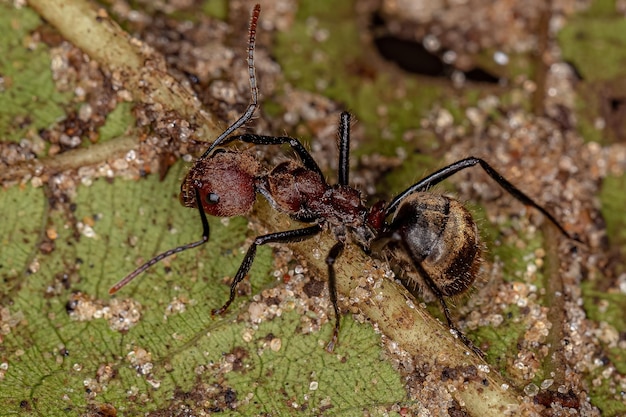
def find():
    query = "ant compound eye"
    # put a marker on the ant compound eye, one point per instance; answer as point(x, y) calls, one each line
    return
point(212, 198)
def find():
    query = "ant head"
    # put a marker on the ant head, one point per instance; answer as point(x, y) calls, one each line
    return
point(226, 182)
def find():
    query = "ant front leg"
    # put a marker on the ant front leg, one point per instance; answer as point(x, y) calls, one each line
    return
point(298, 148)
point(280, 237)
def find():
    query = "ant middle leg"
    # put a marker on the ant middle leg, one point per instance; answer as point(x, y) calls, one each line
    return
point(332, 256)
point(279, 237)
point(344, 148)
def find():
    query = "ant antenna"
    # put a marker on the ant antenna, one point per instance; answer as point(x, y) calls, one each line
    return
point(254, 89)
point(205, 237)
point(244, 118)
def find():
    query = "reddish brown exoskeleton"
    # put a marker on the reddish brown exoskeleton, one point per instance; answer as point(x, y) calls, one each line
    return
point(432, 233)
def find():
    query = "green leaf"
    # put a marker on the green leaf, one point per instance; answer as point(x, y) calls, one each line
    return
point(69, 344)
point(28, 96)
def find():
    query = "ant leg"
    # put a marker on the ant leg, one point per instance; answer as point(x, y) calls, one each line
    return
point(300, 150)
point(446, 311)
point(254, 89)
point(282, 237)
point(333, 254)
point(451, 169)
point(306, 158)
point(205, 237)
point(344, 148)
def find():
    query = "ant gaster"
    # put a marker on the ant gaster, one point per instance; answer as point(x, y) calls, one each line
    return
point(433, 233)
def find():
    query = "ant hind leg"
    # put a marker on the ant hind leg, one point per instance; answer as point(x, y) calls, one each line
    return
point(445, 172)
point(446, 311)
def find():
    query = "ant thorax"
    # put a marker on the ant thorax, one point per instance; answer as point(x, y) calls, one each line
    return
point(290, 188)
point(303, 194)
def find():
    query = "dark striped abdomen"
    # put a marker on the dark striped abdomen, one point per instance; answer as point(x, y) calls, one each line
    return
point(441, 238)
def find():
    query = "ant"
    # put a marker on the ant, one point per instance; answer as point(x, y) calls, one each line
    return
point(433, 233)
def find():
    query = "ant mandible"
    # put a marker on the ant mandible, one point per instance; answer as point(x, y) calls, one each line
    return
point(433, 233)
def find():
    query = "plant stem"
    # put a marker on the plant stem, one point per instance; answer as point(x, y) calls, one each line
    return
point(399, 317)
